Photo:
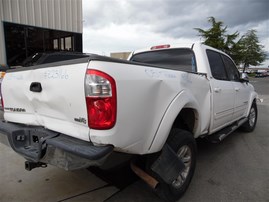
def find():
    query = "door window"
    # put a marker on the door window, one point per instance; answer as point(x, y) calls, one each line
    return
point(232, 71)
point(216, 65)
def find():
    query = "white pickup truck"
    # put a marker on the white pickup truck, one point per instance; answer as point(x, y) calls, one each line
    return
point(85, 112)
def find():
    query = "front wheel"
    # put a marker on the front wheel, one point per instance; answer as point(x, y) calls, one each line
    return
point(250, 124)
point(183, 144)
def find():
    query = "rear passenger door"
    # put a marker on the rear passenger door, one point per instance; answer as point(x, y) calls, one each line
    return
point(240, 88)
point(223, 93)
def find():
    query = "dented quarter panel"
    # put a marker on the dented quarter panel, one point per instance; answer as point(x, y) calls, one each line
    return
point(195, 95)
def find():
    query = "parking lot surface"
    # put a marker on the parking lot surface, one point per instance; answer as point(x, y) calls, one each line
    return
point(236, 169)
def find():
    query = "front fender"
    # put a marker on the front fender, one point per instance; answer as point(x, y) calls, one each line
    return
point(253, 96)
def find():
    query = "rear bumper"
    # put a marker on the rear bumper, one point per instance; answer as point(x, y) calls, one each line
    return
point(38, 144)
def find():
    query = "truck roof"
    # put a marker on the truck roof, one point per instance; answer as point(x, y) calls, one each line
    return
point(171, 46)
point(164, 46)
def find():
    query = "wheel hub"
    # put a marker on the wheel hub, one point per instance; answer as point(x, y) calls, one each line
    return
point(252, 117)
point(184, 154)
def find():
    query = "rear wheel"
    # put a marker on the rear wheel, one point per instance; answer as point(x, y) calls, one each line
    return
point(183, 144)
point(250, 124)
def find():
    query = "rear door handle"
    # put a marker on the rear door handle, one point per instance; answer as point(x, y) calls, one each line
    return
point(236, 89)
point(217, 90)
point(36, 87)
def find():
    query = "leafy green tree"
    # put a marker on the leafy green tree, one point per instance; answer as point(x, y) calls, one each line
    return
point(217, 37)
point(246, 50)
point(214, 36)
point(251, 52)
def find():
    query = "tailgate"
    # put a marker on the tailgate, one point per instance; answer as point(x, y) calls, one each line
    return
point(51, 95)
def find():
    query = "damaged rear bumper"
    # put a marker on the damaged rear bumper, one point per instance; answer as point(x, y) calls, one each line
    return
point(38, 144)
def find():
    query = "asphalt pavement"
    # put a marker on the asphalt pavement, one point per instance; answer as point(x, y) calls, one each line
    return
point(236, 169)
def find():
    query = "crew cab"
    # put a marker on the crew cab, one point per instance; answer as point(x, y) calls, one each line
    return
point(80, 113)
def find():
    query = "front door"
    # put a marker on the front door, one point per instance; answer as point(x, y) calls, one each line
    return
point(241, 89)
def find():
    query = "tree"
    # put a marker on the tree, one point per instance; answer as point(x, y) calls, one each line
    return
point(246, 50)
point(251, 52)
point(216, 37)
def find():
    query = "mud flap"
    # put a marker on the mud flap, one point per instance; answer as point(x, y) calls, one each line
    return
point(168, 166)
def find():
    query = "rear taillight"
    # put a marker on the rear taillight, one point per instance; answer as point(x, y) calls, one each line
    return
point(2, 99)
point(101, 99)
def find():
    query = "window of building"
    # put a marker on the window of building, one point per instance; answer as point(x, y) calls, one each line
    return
point(55, 44)
point(25, 41)
point(62, 43)
point(68, 43)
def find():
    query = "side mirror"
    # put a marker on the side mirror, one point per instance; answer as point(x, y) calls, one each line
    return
point(244, 77)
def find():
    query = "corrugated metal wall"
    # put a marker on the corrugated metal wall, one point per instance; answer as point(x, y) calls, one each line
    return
point(63, 15)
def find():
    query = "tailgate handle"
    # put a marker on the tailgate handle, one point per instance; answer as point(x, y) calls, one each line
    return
point(36, 87)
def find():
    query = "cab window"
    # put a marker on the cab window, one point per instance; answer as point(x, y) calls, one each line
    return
point(232, 71)
point(181, 59)
point(216, 65)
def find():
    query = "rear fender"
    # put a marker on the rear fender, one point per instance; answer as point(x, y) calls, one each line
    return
point(183, 100)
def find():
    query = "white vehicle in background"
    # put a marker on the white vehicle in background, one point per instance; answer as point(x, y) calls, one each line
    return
point(81, 113)
point(261, 73)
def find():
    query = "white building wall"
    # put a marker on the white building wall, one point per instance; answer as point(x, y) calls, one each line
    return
point(63, 15)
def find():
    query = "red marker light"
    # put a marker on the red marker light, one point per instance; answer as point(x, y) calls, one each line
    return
point(160, 47)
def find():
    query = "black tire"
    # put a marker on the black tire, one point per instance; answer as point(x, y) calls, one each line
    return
point(250, 124)
point(180, 141)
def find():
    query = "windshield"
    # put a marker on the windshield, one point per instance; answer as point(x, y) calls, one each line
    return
point(177, 59)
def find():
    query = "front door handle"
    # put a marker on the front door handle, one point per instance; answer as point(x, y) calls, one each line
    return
point(36, 87)
point(217, 90)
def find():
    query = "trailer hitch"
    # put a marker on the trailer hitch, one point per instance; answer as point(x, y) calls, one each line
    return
point(29, 165)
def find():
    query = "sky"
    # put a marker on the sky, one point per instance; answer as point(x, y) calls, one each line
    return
point(128, 25)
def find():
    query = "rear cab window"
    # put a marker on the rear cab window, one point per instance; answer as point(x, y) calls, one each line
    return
point(182, 59)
